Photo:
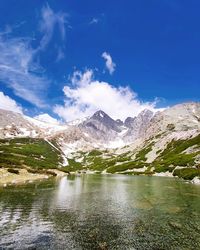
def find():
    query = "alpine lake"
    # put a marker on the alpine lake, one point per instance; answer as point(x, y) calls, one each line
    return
point(101, 212)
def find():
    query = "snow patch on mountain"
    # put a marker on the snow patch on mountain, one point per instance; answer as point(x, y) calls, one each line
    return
point(102, 132)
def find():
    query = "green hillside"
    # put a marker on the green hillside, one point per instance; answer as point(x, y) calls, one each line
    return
point(39, 154)
point(34, 153)
point(172, 156)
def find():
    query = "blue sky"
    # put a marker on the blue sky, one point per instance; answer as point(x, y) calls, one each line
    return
point(70, 58)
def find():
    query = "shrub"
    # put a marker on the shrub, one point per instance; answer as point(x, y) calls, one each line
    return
point(125, 166)
point(65, 169)
point(41, 171)
point(171, 126)
point(187, 173)
point(95, 153)
point(173, 153)
point(99, 164)
point(13, 171)
point(35, 153)
point(141, 155)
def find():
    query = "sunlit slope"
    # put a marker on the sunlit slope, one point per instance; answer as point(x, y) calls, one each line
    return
point(28, 152)
point(181, 158)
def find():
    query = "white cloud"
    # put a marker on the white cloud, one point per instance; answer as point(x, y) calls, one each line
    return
point(20, 71)
point(9, 104)
point(19, 67)
point(50, 20)
point(85, 95)
point(46, 118)
point(110, 65)
point(94, 21)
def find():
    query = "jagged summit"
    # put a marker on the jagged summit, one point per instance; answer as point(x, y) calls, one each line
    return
point(100, 114)
point(129, 121)
point(101, 128)
point(102, 117)
point(119, 122)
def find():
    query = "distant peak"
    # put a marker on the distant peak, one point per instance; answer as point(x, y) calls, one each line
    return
point(100, 113)
point(146, 111)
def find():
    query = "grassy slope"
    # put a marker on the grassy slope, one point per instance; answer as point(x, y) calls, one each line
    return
point(34, 153)
point(168, 159)
point(38, 154)
point(174, 155)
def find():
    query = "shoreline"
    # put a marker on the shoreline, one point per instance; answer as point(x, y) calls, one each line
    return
point(24, 177)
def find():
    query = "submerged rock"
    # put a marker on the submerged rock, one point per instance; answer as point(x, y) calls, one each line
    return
point(175, 225)
point(196, 180)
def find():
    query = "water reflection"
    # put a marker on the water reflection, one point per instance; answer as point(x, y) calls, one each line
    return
point(101, 212)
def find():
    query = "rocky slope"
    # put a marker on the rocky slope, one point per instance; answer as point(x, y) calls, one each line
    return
point(137, 126)
point(165, 142)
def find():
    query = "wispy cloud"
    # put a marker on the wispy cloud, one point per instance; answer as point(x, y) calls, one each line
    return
point(94, 21)
point(8, 103)
point(20, 71)
point(51, 20)
point(110, 65)
point(9, 29)
point(84, 95)
point(60, 55)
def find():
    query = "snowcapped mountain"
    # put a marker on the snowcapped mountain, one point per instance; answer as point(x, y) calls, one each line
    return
point(167, 142)
point(17, 125)
point(101, 131)
point(101, 127)
point(14, 124)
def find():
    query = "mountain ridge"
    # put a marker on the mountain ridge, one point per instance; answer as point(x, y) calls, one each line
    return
point(141, 140)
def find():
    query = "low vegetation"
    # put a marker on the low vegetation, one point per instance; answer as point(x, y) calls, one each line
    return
point(34, 153)
point(125, 166)
point(175, 155)
point(38, 156)
point(187, 173)
point(141, 155)
point(72, 167)
point(13, 171)
point(95, 153)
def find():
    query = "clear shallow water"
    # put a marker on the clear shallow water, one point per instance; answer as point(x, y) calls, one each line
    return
point(101, 212)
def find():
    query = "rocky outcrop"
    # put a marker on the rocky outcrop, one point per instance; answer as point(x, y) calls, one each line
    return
point(100, 130)
point(137, 125)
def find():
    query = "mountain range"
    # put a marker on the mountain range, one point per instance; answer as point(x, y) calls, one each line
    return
point(163, 143)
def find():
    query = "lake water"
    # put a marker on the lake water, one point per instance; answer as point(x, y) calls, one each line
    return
point(101, 212)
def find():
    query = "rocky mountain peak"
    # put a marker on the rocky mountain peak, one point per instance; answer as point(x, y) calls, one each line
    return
point(101, 128)
point(129, 121)
point(100, 125)
point(137, 125)
point(181, 117)
point(146, 112)
point(119, 122)
point(100, 115)
point(143, 117)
